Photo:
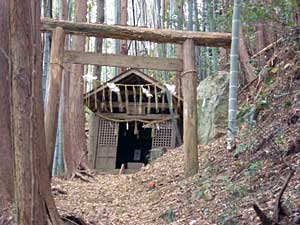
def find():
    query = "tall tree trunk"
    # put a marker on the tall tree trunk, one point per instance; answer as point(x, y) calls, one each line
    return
point(6, 150)
point(211, 19)
point(99, 41)
point(117, 21)
point(198, 49)
point(46, 46)
point(60, 158)
point(206, 26)
point(233, 84)
point(66, 124)
point(22, 100)
point(34, 201)
point(58, 162)
point(296, 12)
point(224, 53)
point(270, 33)
point(260, 42)
point(94, 120)
point(190, 15)
point(76, 113)
point(123, 21)
point(166, 53)
point(203, 50)
point(178, 48)
point(54, 93)
point(244, 57)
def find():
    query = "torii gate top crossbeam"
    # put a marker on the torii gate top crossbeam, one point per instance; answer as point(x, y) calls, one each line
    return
point(211, 39)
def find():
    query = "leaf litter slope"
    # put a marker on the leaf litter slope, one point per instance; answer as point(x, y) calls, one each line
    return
point(224, 190)
point(226, 186)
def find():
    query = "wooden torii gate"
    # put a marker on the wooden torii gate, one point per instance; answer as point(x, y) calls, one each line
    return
point(186, 66)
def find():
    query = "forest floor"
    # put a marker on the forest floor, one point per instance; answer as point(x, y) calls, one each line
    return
point(228, 183)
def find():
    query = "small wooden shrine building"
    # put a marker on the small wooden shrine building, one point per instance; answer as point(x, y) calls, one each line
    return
point(133, 117)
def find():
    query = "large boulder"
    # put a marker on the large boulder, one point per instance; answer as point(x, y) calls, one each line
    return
point(212, 100)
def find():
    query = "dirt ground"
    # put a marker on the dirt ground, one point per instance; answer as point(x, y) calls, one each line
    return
point(228, 183)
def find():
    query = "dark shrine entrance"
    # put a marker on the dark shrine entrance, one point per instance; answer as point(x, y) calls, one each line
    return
point(133, 148)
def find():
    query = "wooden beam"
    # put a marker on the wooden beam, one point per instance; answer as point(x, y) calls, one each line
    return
point(124, 116)
point(161, 106)
point(123, 61)
point(189, 91)
point(54, 90)
point(145, 104)
point(212, 39)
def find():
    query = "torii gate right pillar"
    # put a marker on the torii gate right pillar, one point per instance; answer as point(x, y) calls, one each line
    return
point(189, 92)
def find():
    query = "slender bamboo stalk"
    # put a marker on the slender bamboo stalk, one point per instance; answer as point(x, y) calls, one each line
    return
point(233, 84)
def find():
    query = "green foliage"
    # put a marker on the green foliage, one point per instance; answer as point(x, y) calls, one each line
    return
point(203, 193)
point(288, 205)
point(242, 112)
point(288, 104)
point(269, 80)
point(168, 216)
point(223, 20)
point(279, 140)
point(262, 102)
point(119, 211)
point(240, 149)
point(253, 168)
point(274, 70)
point(14, 210)
point(209, 165)
point(254, 11)
point(278, 10)
point(199, 194)
point(227, 219)
point(91, 4)
point(236, 190)
point(229, 216)
point(247, 114)
point(292, 37)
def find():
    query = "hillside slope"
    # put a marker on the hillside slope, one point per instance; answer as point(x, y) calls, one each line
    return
point(228, 183)
point(224, 190)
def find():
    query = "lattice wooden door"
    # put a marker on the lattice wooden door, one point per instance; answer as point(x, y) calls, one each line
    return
point(164, 136)
point(107, 144)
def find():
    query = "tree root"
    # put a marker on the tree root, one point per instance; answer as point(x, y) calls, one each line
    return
point(262, 216)
point(5, 217)
point(58, 191)
point(88, 173)
point(78, 174)
point(73, 220)
point(277, 208)
point(278, 200)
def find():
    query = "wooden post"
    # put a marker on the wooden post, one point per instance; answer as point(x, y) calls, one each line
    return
point(178, 53)
point(93, 140)
point(54, 92)
point(189, 91)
